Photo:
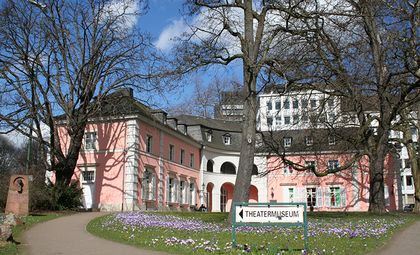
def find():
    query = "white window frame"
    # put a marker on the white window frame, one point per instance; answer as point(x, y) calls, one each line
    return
point(91, 140)
point(191, 195)
point(148, 185)
point(182, 157)
point(88, 169)
point(309, 140)
point(149, 143)
point(331, 140)
point(171, 152)
point(313, 194)
point(287, 142)
point(192, 160)
point(227, 139)
point(333, 164)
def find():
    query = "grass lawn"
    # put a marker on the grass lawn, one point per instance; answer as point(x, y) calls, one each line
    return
point(10, 248)
point(208, 233)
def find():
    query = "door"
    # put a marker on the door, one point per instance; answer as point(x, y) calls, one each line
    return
point(88, 186)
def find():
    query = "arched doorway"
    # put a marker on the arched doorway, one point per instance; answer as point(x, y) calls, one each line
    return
point(208, 197)
point(226, 196)
point(253, 194)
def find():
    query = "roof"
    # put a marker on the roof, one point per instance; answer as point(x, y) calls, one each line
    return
point(344, 140)
point(225, 125)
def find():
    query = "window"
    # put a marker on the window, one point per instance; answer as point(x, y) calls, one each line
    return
point(311, 197)
point(413, 131)
point(181, 192)
point(171, 152)
point(287, 120)
point(309, 140)
point(90, 141)
point(286, 104)
point(228, 168)
point(210, 166)
point(148, 185)
point(269, 106)
point(311, 165)
point(330, 102)
point(192, 160)
point(331, 140)
point(88, 176)
point(295, 104)
point(287, 142)
point(269, 121)
point(277, 105)
point(335, 197)
point(209, 135)
point(409, 180)
point(254, 170)
point(278, 121)
point(407, 163)
point(182, 157)
point(313, 103)
point(291, 195)
point(226, 139)
point(171, 186)
point(331, 117)
point(305, 117)
point(287, 169)
point(304, 103)
point(149, 143)
point(295, 119)
point(333, 164)
point(223, 199)
point(191, 198)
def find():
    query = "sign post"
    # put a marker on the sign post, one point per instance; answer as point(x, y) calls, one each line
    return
point(269, 214)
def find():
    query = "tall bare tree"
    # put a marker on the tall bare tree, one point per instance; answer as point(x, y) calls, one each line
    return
point(366, 53)
point(246, 31)
point(63, 58)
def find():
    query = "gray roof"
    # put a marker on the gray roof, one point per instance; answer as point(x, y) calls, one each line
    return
point(224, 125)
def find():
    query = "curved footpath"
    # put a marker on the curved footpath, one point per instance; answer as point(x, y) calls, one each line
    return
point(68, 236)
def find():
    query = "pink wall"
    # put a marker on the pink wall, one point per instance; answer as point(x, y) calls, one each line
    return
point(109, 159)
point(356, 184)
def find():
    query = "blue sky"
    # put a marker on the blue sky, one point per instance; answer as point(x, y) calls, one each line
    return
point(162, 21)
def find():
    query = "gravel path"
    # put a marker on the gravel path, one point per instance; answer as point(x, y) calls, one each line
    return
point(68, 236)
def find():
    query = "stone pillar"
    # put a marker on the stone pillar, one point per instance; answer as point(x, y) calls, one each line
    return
point(131, 166)
point(18, 196)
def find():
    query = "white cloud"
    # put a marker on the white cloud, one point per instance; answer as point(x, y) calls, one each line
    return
point(169, 33)
point(125, 11)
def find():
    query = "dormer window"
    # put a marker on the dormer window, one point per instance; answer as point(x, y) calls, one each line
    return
point(309, 140)
point(209, 135)
point(226, 139)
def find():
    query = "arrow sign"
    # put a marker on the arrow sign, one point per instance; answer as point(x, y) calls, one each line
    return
point(269, 214)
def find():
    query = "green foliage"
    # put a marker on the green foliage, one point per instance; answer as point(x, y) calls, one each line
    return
point(65, 197)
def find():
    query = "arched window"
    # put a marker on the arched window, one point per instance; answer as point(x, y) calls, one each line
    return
point(254, 170)
point(210, 166)
point(228, 168)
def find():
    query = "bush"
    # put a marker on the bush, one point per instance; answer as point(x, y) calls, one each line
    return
point(56, 197)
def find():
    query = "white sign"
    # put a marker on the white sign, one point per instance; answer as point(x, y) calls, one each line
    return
point(269, 214)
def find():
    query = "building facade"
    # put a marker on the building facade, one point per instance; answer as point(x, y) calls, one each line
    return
point(136, 158)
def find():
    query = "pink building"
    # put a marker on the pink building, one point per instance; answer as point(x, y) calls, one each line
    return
point(131, 159)
point(135, 158)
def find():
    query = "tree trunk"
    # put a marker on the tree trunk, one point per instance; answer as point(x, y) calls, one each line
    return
point(250, 72)
point(376, 172)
